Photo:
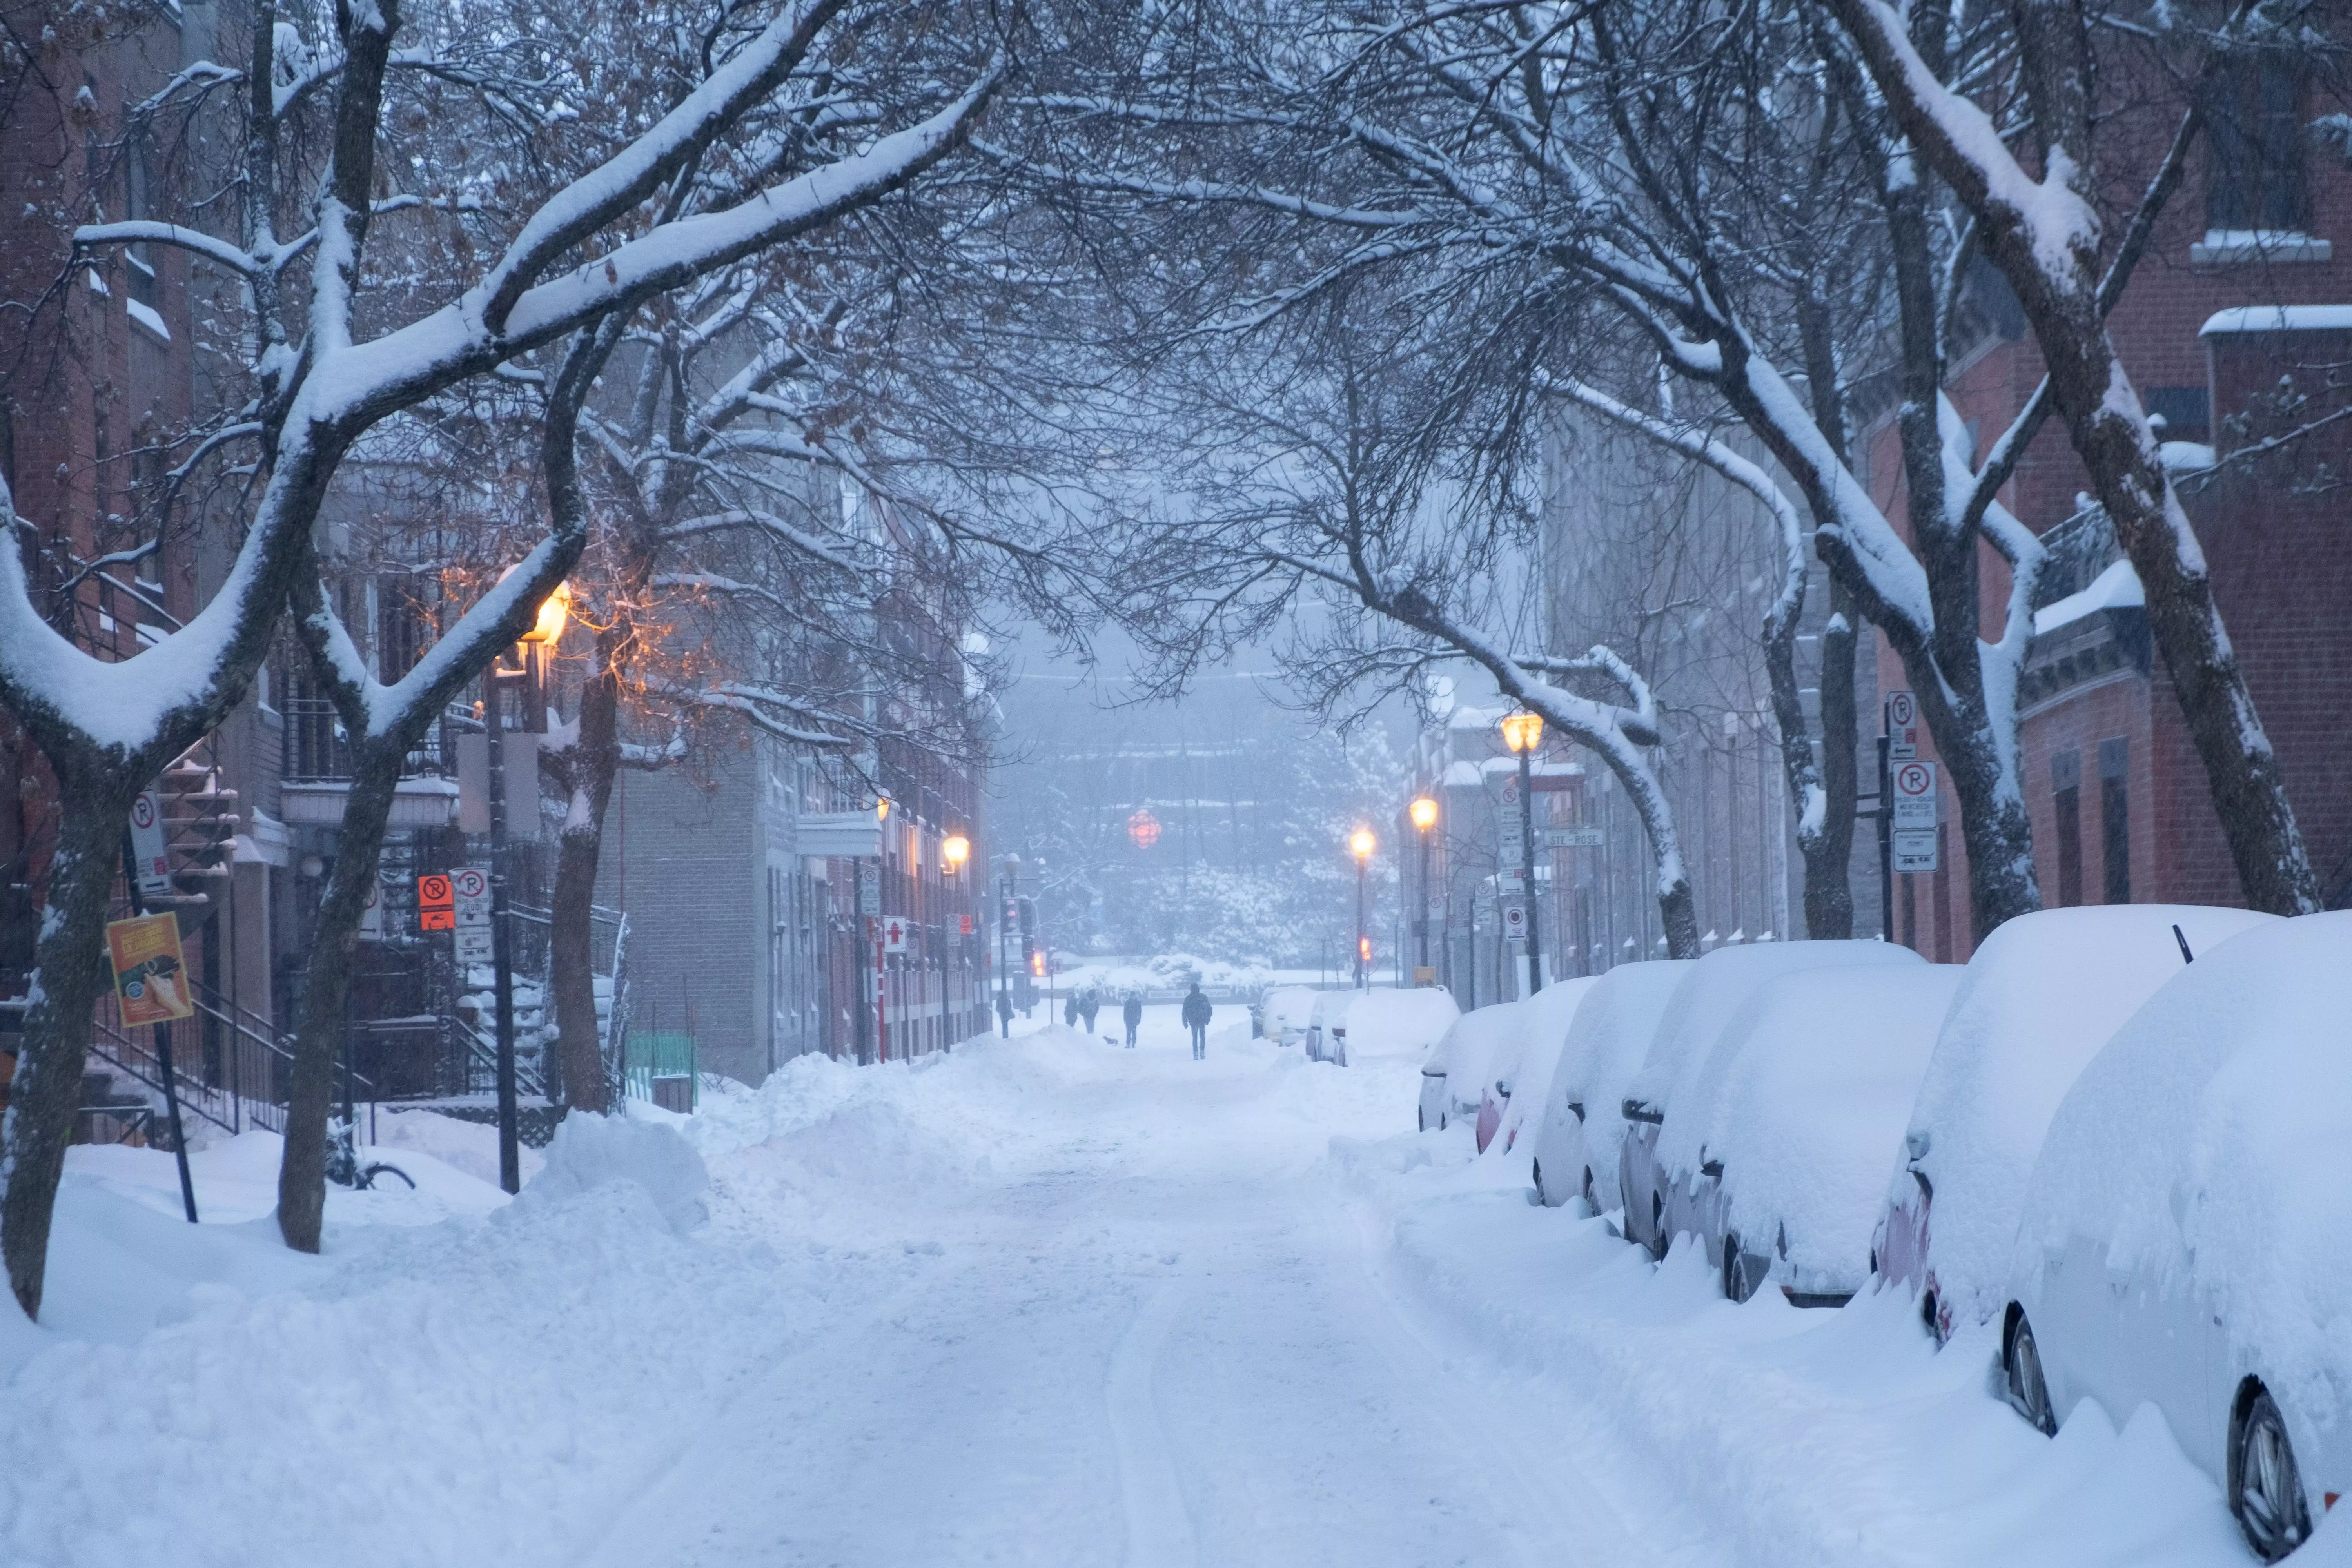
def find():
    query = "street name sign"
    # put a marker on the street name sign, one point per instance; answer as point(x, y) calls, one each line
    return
point(1573, 837)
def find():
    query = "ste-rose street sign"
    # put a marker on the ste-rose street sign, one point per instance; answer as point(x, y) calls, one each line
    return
point(1573, 837)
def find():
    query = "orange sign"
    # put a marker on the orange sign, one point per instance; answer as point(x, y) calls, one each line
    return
point(437, 902)
point(967, 924)
point(150, 978)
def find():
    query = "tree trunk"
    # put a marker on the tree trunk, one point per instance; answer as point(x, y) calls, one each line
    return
point(1829, 859)
point(1678, 917)
point(571, 932)
point(334, 955)
point(71, 972)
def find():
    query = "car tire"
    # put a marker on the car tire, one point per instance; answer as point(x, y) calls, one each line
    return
point(1734, 1272)
point(1658, 1226)
point(1588, 1191)
point(2028, 1388)
point(2265, 1488)
point(1540, 1186)
point(1420, 1116)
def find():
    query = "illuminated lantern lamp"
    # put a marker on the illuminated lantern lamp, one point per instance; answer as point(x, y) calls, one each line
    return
point(1144, 830)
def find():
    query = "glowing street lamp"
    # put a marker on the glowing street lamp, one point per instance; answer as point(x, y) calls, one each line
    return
point(954, 850)
point(1423, 813)
point(1523, 733)
point(1360, 843)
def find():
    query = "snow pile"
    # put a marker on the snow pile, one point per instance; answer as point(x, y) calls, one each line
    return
point(2214, 1135)
point(1286, 1007)
point(1393, 1026)
point(1715, 990)
point(588, 1152)
point(1611, 1039)
point(1815, 1076)
point(2041, 996)
point(468, 1146)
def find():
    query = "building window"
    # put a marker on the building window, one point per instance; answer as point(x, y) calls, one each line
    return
point(2254, 179)
point(2187, 412)
point(2066, 794)
point(2114, 819)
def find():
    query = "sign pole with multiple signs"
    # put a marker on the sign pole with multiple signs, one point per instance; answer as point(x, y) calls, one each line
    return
point(1907, 806)
point(150, 982)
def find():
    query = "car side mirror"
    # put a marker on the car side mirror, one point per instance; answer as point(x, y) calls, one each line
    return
point(1918, 1141)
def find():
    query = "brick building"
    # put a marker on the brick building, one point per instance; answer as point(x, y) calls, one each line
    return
point(2236, 330)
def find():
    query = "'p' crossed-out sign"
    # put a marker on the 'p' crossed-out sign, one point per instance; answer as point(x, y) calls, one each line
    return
point(437, 902)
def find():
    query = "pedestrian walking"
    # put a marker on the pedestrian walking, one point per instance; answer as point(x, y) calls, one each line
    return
point(1070, 1012)
point(1089, 1003)
point(1005, 1012)
point(1133, 1012)
point(1197, 1012)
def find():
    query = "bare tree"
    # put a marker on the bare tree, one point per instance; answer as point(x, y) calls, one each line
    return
point(2050, 235)
point(596, 245)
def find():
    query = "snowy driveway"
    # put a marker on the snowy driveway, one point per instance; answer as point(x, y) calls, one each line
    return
point(1045, 1301)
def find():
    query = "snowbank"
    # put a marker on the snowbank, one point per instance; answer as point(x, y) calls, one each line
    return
point(589, 1152)
point(2042, 995)
point(1813, 1081)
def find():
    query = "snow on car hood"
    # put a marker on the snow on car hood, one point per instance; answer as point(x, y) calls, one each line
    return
point(2214, 1135)
point(1468, 1051)
point(1810, 1085)
point(2042, 995)
point(1615, 1025)
point(1714, 990)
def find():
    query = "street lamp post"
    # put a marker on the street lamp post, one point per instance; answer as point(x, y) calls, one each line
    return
point(954, 850)
point(1004, 918)
point(1424, 812)
point(1523, 733)
point(1360, 843)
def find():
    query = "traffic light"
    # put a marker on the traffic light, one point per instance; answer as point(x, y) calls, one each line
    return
point(1364, 948)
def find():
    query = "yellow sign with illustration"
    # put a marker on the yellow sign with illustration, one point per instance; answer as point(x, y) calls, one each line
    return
point(150, 978)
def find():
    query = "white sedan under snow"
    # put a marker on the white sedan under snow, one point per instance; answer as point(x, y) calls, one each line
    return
point(1777, 1157)
point(2041, 995)
point(1580, 1123)
point(2183, 1237)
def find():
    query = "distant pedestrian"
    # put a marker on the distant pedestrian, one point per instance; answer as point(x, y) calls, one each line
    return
point(1197, 1011)
point(1005, 1012)
point(1070, 1012)
point(1133, 1012)
point(1089, 1003)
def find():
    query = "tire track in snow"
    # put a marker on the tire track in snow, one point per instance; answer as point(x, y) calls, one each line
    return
point(1158, 1525)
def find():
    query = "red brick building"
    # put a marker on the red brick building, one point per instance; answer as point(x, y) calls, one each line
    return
point(2236, 330)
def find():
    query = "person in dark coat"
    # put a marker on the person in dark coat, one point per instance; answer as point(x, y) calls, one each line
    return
point(1131, 1011)
point(1005, 1012)
point(1197, 1012)
point(1070, 1012)
point(1089, 1003)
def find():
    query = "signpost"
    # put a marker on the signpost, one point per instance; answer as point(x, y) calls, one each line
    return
point(1914, 812)
point(1902, 726)
point(150, 854)
point(471, 884)
point(895, 932)
point(1514, 920)
point(151, 987)
point(437, 902)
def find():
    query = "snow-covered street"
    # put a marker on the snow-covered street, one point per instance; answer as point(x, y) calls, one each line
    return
point(1038, 1302)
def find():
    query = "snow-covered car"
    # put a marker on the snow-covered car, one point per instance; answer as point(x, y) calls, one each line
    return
point(1777, 1151)
point(1454, 1074)
point(1327, 1026)
point(1715, 988)
point(1582, 1121)
point(1515, 1094)
point(1390, 1024)
point(2183, 1235)
point(1283, 1013)
point(2041, 995)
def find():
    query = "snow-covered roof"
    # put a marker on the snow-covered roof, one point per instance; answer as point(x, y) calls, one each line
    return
point(2211, 1141)
point(2042, 995)
point(2116, 588)
point(1460, 776)
point(2278, 318)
